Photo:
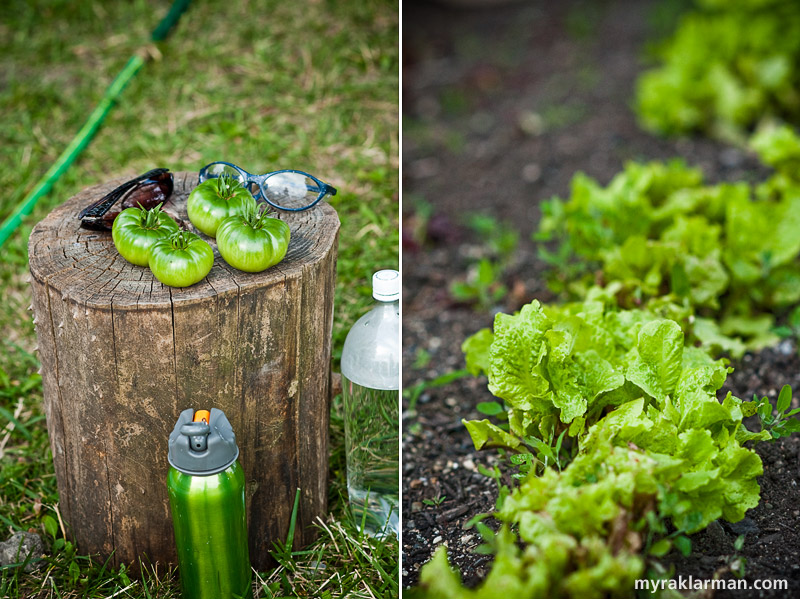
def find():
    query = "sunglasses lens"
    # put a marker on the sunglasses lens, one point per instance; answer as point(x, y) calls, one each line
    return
point(290, 190)
point(220, 169)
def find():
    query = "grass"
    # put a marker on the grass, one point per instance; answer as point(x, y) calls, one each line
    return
point(268, 85)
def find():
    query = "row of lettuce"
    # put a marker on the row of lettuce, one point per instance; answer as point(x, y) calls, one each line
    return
point(727, 251)
point(609, 403)
point(729, 65)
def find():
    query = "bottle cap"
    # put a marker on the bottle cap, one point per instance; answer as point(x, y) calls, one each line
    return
point(386, 285)
point(202, 443)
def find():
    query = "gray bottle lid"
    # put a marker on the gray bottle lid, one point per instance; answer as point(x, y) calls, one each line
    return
point(200, 448)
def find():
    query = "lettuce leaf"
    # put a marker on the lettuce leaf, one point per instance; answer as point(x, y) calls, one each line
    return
point(486, 434)
point(655, 364)
point(476, 351)
point(517, 367)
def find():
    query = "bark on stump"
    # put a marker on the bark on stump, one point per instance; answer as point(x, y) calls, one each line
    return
point(122, 355)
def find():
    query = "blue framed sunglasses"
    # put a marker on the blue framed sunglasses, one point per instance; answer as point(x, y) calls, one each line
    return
point(287, 189)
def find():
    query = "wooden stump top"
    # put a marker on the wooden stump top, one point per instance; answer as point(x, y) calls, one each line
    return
point(85, 267)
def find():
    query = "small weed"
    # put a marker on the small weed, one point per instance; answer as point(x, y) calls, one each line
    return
point(500, 239)
point(492, 408)
point(436, 501)
point(422, 359)
point(545, 454)
point(677, 539)
point(658, 541)
point(792, 327)
point(413, 393)
point(738, 561)
point(482, 286)
point(780, 423)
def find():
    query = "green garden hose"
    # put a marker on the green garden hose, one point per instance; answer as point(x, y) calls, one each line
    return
point(90, 127)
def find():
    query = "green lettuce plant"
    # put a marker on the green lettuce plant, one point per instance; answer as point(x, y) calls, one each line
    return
point(608, 406)
point(561, 367)
point(728, 65)
point(729, 253)
point(651, 443)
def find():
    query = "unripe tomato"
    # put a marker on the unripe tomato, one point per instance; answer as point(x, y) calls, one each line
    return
point(253, 242)
point(135, 230)
point(181, 260)
point(214, 200)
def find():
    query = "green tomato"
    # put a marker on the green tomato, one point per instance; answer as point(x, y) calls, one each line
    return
point(214, 200)
point(181, 260)
point(135, 230)
point(252, 242)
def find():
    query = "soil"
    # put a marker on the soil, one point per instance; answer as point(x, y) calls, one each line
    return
point(502, 106)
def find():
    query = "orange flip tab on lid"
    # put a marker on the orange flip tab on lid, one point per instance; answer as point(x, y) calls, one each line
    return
point(202, 416)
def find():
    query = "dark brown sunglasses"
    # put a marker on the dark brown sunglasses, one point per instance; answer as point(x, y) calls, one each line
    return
point(146, 191)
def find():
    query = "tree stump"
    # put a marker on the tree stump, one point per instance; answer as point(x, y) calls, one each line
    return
point(122, 355)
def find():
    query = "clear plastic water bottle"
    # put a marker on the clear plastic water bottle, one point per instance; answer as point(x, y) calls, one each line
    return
point(371, 393)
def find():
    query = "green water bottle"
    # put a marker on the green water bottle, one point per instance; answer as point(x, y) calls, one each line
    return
point(206, 496)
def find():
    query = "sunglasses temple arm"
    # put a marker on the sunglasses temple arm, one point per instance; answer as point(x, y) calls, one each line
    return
point(324, 189)
point(103, 205)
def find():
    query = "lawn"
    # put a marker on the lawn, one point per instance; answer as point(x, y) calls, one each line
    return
point(267, 85)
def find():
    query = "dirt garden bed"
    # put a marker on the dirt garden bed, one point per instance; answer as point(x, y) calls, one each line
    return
point(501, 108)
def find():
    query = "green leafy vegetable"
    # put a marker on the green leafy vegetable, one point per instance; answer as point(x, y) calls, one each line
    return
point(728, 65)
point(609, 406)
point(650, 441)
point(728, 253)
point(554, 364)
point(656, 361)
